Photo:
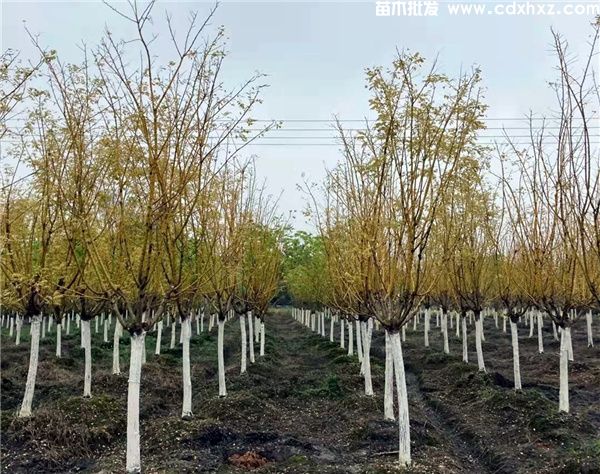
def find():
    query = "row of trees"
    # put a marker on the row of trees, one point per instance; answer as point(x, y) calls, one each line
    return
point(415, 216)
point(128, 195)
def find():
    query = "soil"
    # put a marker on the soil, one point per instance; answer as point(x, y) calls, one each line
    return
point(301, 408)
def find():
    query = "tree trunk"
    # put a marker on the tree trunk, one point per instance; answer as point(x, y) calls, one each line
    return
point(342, 336)
point(58, 340)
point(514, 334)
point(403, 418)
point(133, 403)
point(221, 358)
point(331, 325)
point(116, 368)
point(262, 338)
point(531, 323)
point(464, 339)
point(251, 336)
point(478, 345)
point(426, 328)
point(87, 348)
point(18, 330)
point(173, 334)
point(359, 345)
point(186, 331)
point(244, 343)
point(33, 366)
point(563, 394)
point(539, 333)
point(388, 393)
point(569, 344)
point(367, 358)
point(445, 332)
point(350, 338)
point(588, 320)
point(159, 327)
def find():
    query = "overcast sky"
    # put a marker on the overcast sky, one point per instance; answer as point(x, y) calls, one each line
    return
point(315, 53)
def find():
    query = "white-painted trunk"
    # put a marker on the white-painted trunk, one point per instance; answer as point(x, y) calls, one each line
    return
point(514, 334)
point(415, 319)
point(478, 345)
point(33, 366)
point(350, 338)
point(186, 331)
point(173, 334)
point(563, 393)
point(96, 320)
point(569, 344)
point(68, 325)
point(116, 367)
point(367, 358)
point(202, 322)
point(588, 321)
point(426, 328)
point(445, 332)
point(87, 348)
point(105, 330)
point(388, 393)
point(554, 331)
point(331, 325)
point(458, 325)
point(133, 404)
point(43, 327)
point(221, 358)
point(342, 337)
point(11, 331)
point(539, 333)
point(404, 333)
point(257, 326)
point(504, 324)
point(481, 319)
point(58, 340)
point(244, 343)
point(464, 340)
point(159, 327)
point(403, 417)
point(531, 323)
point(359, 344)
point(262, 338)
point(18, 331)
point(197, 325)
point(251, 336)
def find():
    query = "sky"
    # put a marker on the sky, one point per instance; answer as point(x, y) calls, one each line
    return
point(315, 55)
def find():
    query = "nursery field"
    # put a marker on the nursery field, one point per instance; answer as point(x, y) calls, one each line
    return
point(301, 408)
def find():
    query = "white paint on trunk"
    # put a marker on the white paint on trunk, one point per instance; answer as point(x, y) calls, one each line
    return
point(202, 322)
point(478, 345)
point(359, 344)
point(116, 368)
point(569, 343)
point(173, 334)
point(588, 321)
point(445, 332)
point(403, 417)
point(186, 331)
point(18, 331)
point(43, 327)
point(563, 393)
point(133, 463)
point(458, 325)
point(58, 340)
point(367, 358)
point(159, 327)
point(504, 323)
point(68, 325)
point(531, 323)
point(554, 331)
point(331, 327)
point(262, 338)
point(426, 328)
point(244, 344)
point(539, 333)
point(87, 348)
point(221, 358)
point(251, 336)
point(464, 340)
point(350, 338)
point(388, 393)
point(105, 330)
point(514, 334)
point(96, 319)
point(33, 366)
point(12, 327)
point(342, 337)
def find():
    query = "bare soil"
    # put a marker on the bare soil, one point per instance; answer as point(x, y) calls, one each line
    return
point(301, 408)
